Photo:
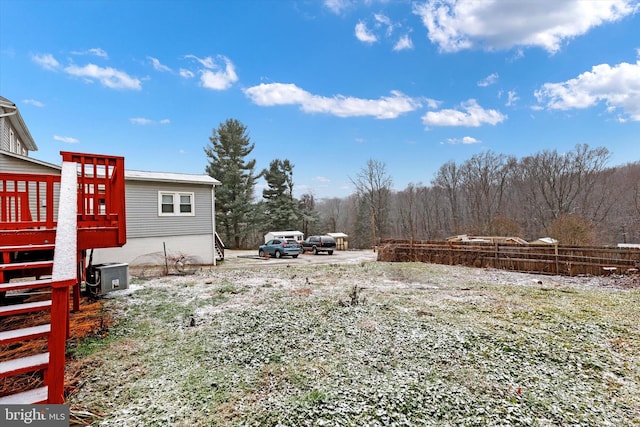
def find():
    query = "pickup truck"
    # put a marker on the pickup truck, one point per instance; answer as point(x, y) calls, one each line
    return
point(317, 244)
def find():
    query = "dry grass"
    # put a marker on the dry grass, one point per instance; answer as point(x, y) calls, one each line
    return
point(424, 345)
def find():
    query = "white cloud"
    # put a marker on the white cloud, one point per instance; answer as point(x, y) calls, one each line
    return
point(336, 6)
point(489, 80)
point(323, 179)
point(383, 29)
point(473, 115)
point(517, 54)
point(403, 43)
point(469, 140)
point(219, 80)
point(67, 139)
point(157, 65)
point(96, 51)
point(363, 34)
point(383, 20)
point(143, 121)
point(388, 107)
point(140, 121)
point(456, 25)
point(33, 102)
point(46, 61)
point(617, 86)
point(512, 98)
point(207, 62)
point(187, 74)
point(213, 76)
point(464, 140)
point(107, 76)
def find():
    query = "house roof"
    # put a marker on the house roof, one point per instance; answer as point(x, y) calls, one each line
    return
point(134, 175)
point(170, 177)
point(338, 235)
point(32, 160)
point(10, 110)
point(285, 232)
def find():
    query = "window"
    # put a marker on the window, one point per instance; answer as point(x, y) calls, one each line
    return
point(175, 204)
point(12, 142)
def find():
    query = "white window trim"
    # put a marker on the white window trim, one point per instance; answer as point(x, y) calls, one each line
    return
point(176, 203)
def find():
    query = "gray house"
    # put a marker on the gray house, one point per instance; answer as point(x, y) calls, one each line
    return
point(14, 134)
point(170, 212)
point(168, 215)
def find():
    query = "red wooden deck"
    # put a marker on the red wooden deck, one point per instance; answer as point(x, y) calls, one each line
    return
point(29, 205)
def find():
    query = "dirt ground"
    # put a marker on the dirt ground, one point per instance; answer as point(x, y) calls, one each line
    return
point(154, 265)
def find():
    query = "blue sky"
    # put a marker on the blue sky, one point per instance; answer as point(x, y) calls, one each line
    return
point(326, 84)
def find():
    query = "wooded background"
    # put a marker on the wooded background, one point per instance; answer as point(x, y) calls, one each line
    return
point(574, 197)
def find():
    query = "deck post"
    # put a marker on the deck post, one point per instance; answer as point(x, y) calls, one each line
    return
point(58, 339)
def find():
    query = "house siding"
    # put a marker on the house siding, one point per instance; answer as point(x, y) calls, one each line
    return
point(16, 165)
point(142, 211)
point(6, 137)
point(4, 134)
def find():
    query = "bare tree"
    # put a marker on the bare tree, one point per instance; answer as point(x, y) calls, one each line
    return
point(332, 213)
point(407, 209)
point(485, 178)
point(552, 184)
point(449, 179)
point(373, 185)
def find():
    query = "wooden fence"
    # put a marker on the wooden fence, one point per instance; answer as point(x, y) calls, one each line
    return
point(542, 259)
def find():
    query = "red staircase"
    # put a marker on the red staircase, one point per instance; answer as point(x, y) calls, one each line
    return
point(29, 206)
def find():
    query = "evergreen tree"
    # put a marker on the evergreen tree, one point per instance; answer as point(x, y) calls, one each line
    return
point(280, 206)
point(230, 145)
point(309, 216)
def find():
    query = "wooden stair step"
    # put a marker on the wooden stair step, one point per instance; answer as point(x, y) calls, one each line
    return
point(31, 284)
point(24, 334)
point(29, 397)
point(26, 265)
point(27, 248)
point(24, 364)
point(10, 310)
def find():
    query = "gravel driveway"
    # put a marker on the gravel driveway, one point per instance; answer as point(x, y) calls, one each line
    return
point(236, 258)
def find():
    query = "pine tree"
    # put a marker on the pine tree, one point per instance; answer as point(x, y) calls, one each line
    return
point(281, 208)
point(230, 145)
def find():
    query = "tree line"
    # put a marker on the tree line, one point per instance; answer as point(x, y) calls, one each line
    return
point(573, 197)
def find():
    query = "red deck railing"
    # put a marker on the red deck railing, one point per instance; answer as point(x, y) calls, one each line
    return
point(29, 204)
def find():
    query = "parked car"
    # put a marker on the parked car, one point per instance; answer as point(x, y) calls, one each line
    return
point(317, 244)
point(280, 247)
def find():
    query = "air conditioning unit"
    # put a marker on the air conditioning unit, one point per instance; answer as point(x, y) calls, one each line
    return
point(109, 277)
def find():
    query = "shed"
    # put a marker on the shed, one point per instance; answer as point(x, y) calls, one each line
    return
point(297, 235)
point(342, 240)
